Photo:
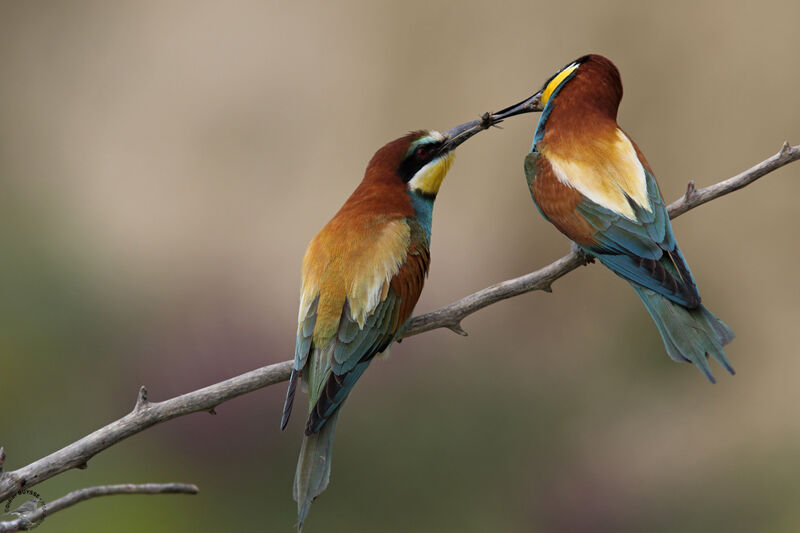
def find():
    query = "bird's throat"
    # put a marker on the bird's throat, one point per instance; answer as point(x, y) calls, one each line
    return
point(429, 178)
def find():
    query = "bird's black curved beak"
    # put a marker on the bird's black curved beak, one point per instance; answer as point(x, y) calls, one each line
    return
point(530, 105)
point(455, 136)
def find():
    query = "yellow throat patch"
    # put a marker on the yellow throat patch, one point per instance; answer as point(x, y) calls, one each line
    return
point(429, 178)
point(556, 81)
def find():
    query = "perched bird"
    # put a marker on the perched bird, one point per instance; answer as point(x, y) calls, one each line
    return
point(362, 276)
point(591, 181)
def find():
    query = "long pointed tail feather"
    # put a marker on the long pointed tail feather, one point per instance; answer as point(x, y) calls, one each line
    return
point(689, 335)
point(287, 405)
point(313, 467)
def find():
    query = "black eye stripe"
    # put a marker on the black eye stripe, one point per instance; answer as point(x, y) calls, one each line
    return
point(416, 160)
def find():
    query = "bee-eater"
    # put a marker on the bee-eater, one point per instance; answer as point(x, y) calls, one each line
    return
point(361, 278)
point(590, 180)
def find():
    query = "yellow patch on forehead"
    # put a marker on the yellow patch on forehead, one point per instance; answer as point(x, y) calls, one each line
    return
point(556, 81)
point(607, 172)
point(429, 178)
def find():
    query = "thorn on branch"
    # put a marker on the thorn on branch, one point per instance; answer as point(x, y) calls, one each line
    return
point(785, 149)
point(691, 191)
point(141, 400)
point(547, 288)
point(456, 328)
point(212, 411)
point(82, 466)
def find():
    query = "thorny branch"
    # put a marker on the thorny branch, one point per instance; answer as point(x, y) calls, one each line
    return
point(146, 414)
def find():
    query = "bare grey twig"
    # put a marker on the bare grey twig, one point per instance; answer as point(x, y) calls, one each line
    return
point(77, 496)
point(146, 414)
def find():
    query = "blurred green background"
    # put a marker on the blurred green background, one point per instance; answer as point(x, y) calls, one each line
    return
point(164, 164)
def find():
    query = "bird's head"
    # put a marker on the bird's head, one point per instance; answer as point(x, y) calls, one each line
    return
point(422, 158)
point(591, 82)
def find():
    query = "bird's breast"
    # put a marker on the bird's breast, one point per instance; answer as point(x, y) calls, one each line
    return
point(558, 203)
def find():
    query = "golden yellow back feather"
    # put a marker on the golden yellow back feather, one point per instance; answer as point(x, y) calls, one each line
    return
point(604, 169)
point(351, 261)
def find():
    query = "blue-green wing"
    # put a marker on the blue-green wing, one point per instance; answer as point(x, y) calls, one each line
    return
point(334, 369)
point(643, 250)
point(302, 349)
point(349, 355)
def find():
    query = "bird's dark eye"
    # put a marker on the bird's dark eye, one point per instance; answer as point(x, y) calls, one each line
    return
point(420, 155)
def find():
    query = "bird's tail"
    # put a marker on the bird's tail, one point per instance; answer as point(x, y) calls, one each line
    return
point(313, 467)
point(689, 335)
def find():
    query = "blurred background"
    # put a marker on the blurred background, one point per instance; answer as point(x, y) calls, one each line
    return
point(164, 164)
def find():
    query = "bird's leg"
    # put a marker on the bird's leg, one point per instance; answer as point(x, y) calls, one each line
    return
point(586, 258)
